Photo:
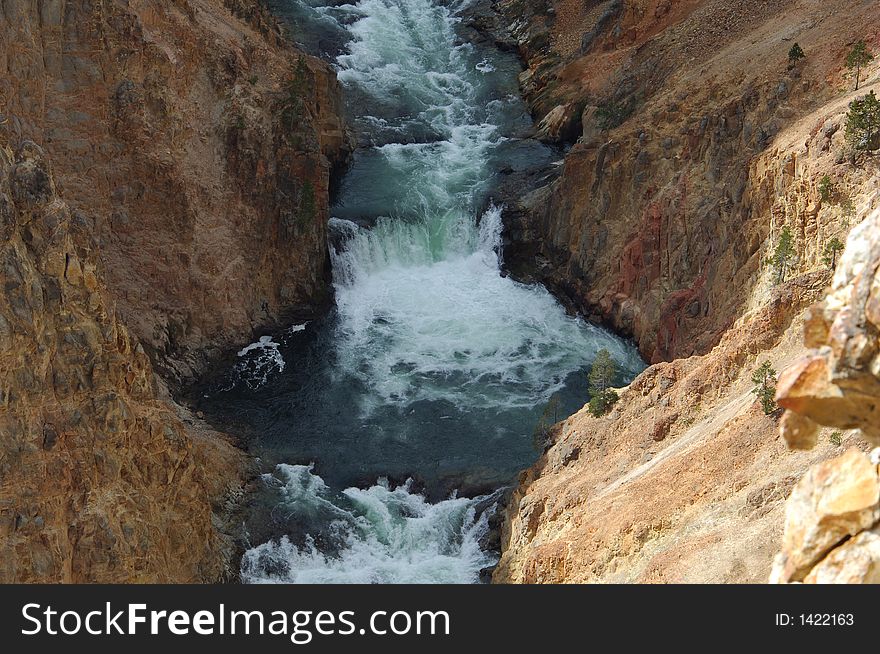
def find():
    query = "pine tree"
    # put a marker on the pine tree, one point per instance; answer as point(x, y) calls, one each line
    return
point(829, 254)
point(602, 372)
point(783, 255)
point(601, 377)
point(859, 56)
point(794, 54)
point(549, 417)
point(863, 123)
point(826, 186)
point(764, 379)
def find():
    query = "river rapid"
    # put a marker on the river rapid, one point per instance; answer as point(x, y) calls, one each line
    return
point(388, 429)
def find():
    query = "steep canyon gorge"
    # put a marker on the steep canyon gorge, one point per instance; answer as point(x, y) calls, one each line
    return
point(165, 199)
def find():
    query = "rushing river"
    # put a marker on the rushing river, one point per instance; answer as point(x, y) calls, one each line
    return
point(386, 426)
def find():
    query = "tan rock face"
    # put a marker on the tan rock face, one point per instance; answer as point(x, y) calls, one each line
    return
point(662, 227)
point(837, 385)
point(608, 502)
point(855, 562)
point(163, 192)
point(99, 480)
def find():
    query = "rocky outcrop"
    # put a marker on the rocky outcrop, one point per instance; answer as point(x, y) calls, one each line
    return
point(833, 515)
point(670, 194)
point(837, 383)
point(164, 172)
point(196, 146)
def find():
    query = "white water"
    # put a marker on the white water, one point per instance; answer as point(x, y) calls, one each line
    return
point(454, 329)
point(424, 313)
point(380, 535)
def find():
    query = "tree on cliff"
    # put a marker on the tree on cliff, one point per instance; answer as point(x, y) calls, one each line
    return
point(859, 56)
point(549, 417)
point(863, 123)
point(783, 255)
point(829, 254)
point(826, 188)
point(795, 54)
point(601, 377)
point(764, 379)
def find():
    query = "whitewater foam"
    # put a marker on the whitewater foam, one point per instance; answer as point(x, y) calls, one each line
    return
point(378, 535)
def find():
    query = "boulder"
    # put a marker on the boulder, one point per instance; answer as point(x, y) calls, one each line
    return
point(835, 499)
point(857, 561)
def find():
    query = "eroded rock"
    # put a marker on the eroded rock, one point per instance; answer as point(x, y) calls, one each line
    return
point(857, 561)
point(834, 499)
point(836, 385)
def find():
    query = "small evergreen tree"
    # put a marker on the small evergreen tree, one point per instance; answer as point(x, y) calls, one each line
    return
point(863, 123)
point(829, 254)
point(601, 377)
point(764, 379)
point(795, 54)
point(549, 417)
point(783, 255)
point(826, 186)
point(600, 404)
point(859, 56)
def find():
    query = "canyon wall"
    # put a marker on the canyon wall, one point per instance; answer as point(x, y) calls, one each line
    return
point(657, 213)
point(197, 146)
point(662, 226)
point(164, 173)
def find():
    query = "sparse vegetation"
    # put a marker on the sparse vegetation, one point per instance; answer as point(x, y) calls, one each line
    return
point(601, 377)
point(826, 188)
point(863, 123)
point(600, 404)
point(859, 56)
point(783, 255)
point(253, 80)
point(829, 254)
point(549, 417)
point(612, 114)
point(292, 103)
point(764, 379)
point(836, 437)
point(795, 54)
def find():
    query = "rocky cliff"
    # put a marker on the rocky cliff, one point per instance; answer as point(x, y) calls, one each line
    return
point(661, 207)
point(694, 144)
point(197, 146)
point(164, 172)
